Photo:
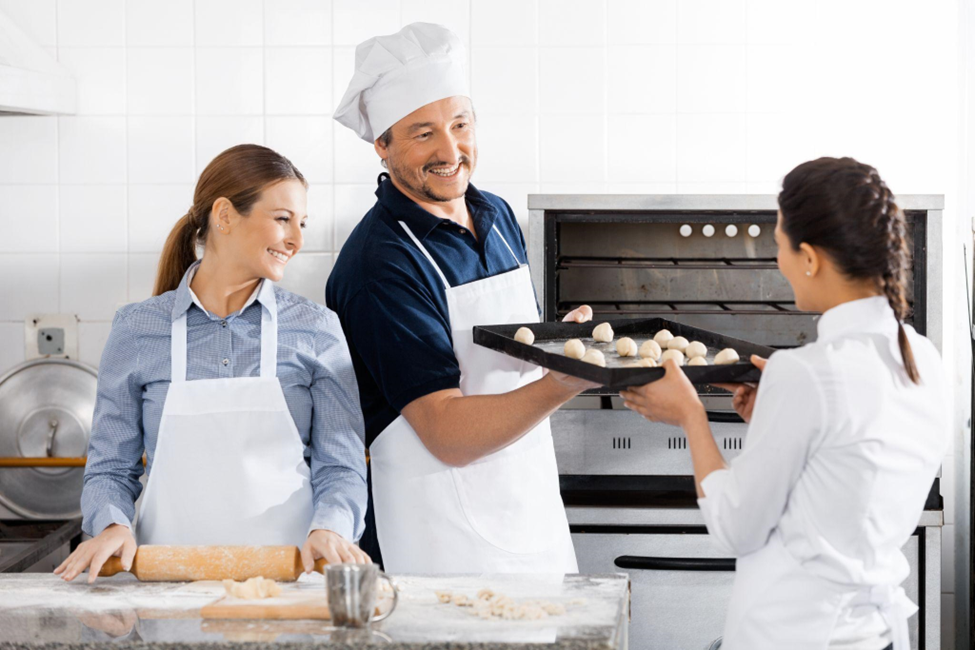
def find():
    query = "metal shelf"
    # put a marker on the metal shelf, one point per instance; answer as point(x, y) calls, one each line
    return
point(697, 263)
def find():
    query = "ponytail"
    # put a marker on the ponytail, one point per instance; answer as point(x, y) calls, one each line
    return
point(178, 254)
point(845, 208)
point(239, 174)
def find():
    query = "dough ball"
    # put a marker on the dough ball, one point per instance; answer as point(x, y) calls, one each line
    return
point(594, 357)
point(603, 333)
point(698, 361)
point(676, 355)
point(525, 335)
point(650, 350)
point(677, 343)
point(662, 337)
point(574, 349)
point(726, 357)
point(252, 588)
point(696, 349)
point(642, 363)
point(626, 347)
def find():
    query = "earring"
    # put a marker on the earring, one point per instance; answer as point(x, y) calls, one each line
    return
point(809, 273)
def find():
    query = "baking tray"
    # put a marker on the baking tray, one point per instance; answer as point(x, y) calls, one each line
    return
point(550, 338)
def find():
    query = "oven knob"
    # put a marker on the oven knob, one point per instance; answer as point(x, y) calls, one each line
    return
point(754, 230)
point(686, 230)
point(708, 230)
point(731, 230)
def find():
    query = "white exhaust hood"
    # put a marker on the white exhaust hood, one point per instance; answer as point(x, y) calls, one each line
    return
point(31, 80)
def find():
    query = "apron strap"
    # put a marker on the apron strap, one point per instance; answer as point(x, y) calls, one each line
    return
point(894, 606)
point(269, 340)
point(423, 250)
point(178, 349)
point(269, 343)
point(517, 261)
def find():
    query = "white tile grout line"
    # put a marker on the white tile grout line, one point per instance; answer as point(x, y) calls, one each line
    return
point(333, 243)
point(57, 159)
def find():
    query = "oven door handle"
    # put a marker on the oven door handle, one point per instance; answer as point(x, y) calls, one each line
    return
point(675, 563)
point(724, 416)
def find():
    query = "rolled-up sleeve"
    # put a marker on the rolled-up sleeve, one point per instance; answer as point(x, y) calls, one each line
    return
point(404, 340)
point(116, 444)
point(338, 457)
point(743, 504)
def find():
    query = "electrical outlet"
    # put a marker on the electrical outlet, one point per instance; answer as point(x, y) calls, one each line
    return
point(51, 336)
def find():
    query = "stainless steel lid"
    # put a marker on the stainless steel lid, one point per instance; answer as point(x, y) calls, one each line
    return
point(46, 406)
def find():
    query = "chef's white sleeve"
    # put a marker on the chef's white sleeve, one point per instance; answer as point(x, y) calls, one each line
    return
point(742, 504)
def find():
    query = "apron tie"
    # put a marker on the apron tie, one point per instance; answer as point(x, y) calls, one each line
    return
point(894, 606)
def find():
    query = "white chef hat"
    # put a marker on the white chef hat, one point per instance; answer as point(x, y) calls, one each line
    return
point(399, 73)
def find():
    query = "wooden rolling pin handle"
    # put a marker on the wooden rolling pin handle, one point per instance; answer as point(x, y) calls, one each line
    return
point(113, 565)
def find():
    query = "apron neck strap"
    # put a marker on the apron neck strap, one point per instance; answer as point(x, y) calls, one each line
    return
point(269, 344)
point(426, 253)
point(495, 229)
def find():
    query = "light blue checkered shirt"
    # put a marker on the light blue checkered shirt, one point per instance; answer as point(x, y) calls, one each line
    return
point(314, 369)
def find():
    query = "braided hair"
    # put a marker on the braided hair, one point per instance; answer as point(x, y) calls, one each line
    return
point(844, 208)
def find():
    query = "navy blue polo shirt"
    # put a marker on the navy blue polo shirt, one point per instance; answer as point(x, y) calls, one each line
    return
point(392, 304)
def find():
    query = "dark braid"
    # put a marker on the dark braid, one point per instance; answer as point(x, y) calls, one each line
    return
point(893, 279)
point(845, 208)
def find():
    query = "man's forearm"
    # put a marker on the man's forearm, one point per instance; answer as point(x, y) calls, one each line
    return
point(460, 429)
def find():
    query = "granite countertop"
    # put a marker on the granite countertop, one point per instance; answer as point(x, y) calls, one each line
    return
point(40, 611)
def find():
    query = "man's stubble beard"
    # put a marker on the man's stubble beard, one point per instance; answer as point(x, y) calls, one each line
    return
point(418, 187)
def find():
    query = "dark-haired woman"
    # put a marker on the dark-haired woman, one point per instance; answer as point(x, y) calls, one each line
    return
point(241, 394)
point(845, 437)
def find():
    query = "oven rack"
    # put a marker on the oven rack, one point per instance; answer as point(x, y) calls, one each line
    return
point(696, 263)
point(694, 307)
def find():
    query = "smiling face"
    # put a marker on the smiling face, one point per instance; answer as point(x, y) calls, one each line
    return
point(433, 151)
point(261, 243)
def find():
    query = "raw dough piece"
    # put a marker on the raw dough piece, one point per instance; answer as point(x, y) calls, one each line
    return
point(726, 357)
point(252, 588)
point(676, 355)
point(574, 349)
point(677, 343)
point(594, 357)
point(603, 333)
point(650, 350)
point(626, 347)
point(444, 596)
point(525, 335)
point(698, 361)
point(662, 337)
point(642, 363)
point(490, 605)
point(696, 349)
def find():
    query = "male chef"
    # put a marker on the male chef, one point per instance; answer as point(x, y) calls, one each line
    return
point(462, 463)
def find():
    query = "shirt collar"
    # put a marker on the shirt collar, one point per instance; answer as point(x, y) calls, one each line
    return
point(263, 292)
point(867, 315)
point(421, 223)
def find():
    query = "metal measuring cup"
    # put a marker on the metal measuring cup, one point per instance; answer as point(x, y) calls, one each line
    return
point(352, 591)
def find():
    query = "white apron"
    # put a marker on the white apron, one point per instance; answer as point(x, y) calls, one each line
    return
point(502, 513)
point(776, 603)
point(229, 466)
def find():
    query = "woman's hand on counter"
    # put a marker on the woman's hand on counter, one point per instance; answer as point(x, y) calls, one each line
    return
point(671, 400)
point(744, 394)
point(334, 548)
point(114, 540)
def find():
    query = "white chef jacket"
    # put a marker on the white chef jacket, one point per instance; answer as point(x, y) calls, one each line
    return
point(839, 458)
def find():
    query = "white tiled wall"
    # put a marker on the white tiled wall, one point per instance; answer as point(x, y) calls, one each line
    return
point(629, 96)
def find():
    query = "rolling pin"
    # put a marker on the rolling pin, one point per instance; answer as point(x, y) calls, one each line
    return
point(188, 563)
